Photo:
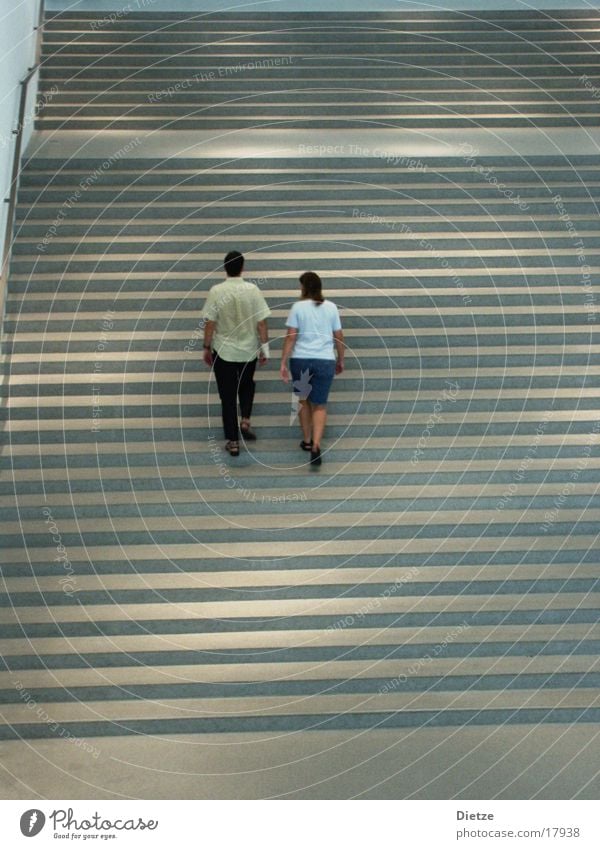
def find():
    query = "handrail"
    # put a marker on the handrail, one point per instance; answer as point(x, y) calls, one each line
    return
point(11, 200)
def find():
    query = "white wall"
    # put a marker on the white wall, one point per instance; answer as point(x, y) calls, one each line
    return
point(17, 52)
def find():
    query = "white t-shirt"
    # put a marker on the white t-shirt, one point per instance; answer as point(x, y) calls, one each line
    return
point(315, 324)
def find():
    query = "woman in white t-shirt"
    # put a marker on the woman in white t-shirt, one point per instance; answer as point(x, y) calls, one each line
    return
point(314, 337)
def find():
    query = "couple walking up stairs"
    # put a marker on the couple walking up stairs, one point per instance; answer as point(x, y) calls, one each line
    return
point(441, 570)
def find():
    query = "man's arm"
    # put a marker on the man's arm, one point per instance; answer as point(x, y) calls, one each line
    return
point(263, 331)
point(209, 331)
point(263, 334)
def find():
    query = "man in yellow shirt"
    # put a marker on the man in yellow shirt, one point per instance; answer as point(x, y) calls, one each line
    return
point(235, 336)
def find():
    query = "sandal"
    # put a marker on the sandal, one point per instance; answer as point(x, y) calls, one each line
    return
point(306, 446)
point(315, 457)
point(246, 432)
point(233, 448)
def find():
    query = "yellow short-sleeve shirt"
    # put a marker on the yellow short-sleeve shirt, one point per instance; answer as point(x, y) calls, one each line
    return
point(236, 307)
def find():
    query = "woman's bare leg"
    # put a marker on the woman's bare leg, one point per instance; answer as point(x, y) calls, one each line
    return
point(319, 419)
point(305, 416)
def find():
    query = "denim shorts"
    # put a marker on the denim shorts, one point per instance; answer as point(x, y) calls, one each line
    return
point(312, 378)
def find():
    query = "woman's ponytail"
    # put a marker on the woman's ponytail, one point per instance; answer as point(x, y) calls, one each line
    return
point(312, 287)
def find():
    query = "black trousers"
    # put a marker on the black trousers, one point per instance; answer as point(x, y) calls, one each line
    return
point(234, 381)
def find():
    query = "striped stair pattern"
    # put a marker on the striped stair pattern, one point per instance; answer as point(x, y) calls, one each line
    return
point(169, 70)
point(442, 566)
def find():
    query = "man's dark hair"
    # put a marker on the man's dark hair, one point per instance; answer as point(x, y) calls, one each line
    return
point(233, 264)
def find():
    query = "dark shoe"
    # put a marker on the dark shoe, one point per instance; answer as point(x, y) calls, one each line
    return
point(248, 434)
point(306, 446)
point(315, 457)
point(233, 448)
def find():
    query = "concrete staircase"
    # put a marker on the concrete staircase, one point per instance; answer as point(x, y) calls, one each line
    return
point(161, 70)
point(441, 569)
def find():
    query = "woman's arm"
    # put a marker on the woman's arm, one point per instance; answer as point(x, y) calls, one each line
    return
point(338, 336)
point(288, 345)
